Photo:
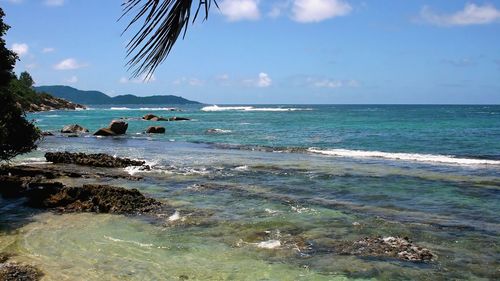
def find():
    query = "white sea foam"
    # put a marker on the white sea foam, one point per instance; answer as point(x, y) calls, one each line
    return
point(127, 241)
point(145, 108)
point(270, 244)
point(432, 158)
point(218, 131)
point(249, 108)
point(241, 168)
point(175, 217)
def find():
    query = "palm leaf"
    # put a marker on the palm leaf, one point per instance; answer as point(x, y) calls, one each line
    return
point(163, 22)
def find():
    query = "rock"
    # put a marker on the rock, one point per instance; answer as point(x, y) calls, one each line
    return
point(119, 127)
point(149, 116)
point(178, 119)
point(104, 132)
point(46, 133)
point(155, 130)
point(72, 129)
point(152, 117)
point(11, 271)
point(391, 247)
point(95, 160)
point(87, 198)
point(100, 199)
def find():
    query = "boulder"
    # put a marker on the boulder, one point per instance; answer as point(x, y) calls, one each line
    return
point(47, 133)
point(74, 129)
point(104, 132)
point(155, 130)
point(118, 127)
point(149, 116)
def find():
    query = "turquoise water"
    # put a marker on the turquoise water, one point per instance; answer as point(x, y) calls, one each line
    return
point(304, 175)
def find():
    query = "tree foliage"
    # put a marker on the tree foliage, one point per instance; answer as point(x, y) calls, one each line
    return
point(17, 135)
point(163, 22)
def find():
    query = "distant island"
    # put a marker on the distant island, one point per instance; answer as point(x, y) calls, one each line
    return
point(95, 97)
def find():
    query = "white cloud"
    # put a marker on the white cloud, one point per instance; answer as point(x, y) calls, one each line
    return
point(69, 64)
point(20, 49)
point(331, 83)
point(48, 50)
point(264, 80)
point(72, 80)
point(472, 14)
point(54, 2)
point(235, 10)
point(319, 10)
point(188, 81)
point(141, 79)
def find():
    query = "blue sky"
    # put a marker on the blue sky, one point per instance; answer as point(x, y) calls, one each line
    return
point(276, 51)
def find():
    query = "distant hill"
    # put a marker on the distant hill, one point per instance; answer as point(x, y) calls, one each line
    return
point(96, 97)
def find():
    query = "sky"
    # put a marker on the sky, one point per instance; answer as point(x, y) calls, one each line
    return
point(275, 51)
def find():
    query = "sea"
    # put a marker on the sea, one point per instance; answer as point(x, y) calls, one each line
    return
point(261, 192)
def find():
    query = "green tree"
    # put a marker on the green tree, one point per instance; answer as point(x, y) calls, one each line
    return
point(26, 79)
point(17, 135)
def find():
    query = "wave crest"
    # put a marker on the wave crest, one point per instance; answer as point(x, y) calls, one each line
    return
point(433, 158)
point(250, 108)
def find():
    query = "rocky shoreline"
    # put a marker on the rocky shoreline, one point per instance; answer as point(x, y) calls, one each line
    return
point(47, 102)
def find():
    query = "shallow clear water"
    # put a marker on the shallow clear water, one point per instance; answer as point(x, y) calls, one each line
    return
point(259, 176)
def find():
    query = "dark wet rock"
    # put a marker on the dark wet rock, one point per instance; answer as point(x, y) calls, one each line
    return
point(175, 118)
point(99, 199)
point(12, 271)
point(46, 134)
point(391, 247)
point(119, 127)
point(88, 198)
point(106, 132)
point(152, 117)
point(95, 160)
point(155, 130)
point(74, 129)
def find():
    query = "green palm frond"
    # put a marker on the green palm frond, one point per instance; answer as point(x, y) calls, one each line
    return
point(164, 21)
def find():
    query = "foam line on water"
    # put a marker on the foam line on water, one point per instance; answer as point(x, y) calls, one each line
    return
point(430, 158)
point(249, 108)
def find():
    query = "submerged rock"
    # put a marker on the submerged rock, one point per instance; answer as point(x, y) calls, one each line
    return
point(175, 118)
point(152, 117)
point(392, 247)
point(155, 130)
point(95, 160)
point(12, 271)
point(72, 129)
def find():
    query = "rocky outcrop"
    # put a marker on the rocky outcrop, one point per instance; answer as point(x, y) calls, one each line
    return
point(74, 129)
point(47, 102)
point(44, 194)
point(391, 247)
point(152, 117)
point(95, 160)
point(119, 127)
point(155, 130)
point(116, 127)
